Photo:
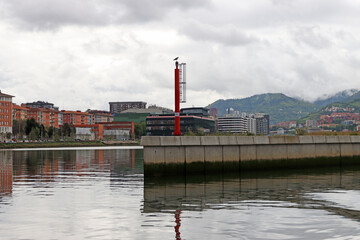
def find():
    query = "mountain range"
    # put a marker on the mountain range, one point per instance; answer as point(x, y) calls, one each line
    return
point(284, 108)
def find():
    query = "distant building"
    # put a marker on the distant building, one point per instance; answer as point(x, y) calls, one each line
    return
point(106, 130)
point(195, 111)
point(5, 113)
point(233, 124)
point(118, 107)
point(280, 131)
point(287, 124)
point(242, 123)
point(259, 123)
point(313, 130)
point(100, 116)
point(164, 125)
point(231, 111)
point(139, 115)
point(213, 112)
point(40, 104)
point(76, 117)
point(311, 123)
point(19, 113)
point(262, 123)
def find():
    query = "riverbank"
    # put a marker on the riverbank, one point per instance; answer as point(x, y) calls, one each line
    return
point(67, 144)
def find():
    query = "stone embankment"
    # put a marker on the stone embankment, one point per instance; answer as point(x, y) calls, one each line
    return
point(168, 155)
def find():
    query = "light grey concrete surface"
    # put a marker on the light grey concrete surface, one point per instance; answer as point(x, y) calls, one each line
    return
point(170, 141)
point(154, 155)
point(213, 154)
point(228, 140)
point(209, 140)
point(294, 151)
point(247, 153)
point(292, 140)
point(277, 140)
point(174, 155)
point(231, 153)
point(194, 154)
point(305, 139)
point(346, 150)
point(261, 140)
point(344, 139)
point(186, 149)
point(332, 139)
point(190, 140)
point(245, 140)
point(319, 139)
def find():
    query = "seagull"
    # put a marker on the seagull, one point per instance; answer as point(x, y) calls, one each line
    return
point(176, 58)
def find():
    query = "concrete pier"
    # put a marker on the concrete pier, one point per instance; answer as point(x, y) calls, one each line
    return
point(167, 155)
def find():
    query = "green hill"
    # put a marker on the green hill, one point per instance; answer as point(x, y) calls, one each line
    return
point(279, 106)
point(351, 102)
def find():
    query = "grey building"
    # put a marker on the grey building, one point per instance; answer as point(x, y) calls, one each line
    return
point(259, 124)
point(40, 104)
point(118, 107)
point(233, 124)
point(242, 123)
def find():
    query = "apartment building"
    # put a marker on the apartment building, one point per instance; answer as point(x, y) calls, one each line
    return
point(76, 117)
point(262, 123)
point(5, 113)
point(19, 113)
point(100, 116)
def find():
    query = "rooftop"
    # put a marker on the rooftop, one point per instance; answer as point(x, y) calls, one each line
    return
point(5, 95)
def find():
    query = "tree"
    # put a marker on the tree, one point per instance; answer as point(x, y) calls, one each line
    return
point(140, 129)
point(34, 134)
point(300, 131)
point(50, 131)
point(65, 130)
point(8, 135)
point(19, 128)
point(42, 130)
point(30, 124)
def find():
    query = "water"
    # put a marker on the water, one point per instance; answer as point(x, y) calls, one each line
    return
point(101, 194)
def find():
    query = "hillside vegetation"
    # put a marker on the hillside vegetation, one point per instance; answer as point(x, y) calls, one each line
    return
point(279, 106)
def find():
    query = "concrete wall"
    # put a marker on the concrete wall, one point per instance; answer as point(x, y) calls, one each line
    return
point(185, 154)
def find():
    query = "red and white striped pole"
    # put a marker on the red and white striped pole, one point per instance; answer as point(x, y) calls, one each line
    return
point(177, 131)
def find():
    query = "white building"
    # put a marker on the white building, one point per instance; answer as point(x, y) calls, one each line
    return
point(233, 124)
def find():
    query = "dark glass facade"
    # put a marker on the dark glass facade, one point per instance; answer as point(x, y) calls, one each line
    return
point(164, 125)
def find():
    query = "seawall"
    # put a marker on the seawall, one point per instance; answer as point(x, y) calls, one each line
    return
point(168, 155)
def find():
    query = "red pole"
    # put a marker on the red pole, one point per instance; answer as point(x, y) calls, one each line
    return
point(177, 131)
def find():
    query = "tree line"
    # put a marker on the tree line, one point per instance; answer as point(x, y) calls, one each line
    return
point(35, 131)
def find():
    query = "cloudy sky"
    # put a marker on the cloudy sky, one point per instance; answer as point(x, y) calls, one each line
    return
point(83, 54)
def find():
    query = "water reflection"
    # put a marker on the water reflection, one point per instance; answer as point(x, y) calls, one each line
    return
point(69, 194)
point(50, 163)
point(32, 167)
point(6, 173)
point(101, 194)
point(307, 189)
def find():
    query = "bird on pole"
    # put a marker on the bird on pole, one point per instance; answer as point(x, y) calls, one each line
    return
point(176, 58)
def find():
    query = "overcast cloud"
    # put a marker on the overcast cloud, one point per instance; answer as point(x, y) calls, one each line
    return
point(83, 54)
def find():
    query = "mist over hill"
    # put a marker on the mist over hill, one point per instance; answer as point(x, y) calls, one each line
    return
point(342, 96)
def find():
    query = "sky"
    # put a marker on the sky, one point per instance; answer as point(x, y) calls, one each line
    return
point(84, 54)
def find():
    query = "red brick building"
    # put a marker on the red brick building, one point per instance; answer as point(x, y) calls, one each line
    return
point(5, 113)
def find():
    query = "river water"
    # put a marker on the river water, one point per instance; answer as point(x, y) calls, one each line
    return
point(87, 193)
